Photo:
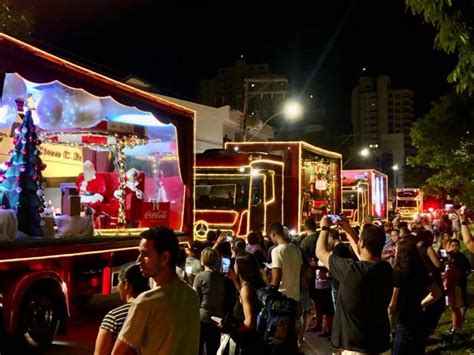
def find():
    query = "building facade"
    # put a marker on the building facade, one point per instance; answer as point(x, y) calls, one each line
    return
point(212, 124)
point(382, 118)
point(260, 98)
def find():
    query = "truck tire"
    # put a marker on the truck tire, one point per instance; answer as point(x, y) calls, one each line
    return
point(39, 319)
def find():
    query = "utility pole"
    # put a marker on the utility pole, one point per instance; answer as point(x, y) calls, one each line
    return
point(265, 88)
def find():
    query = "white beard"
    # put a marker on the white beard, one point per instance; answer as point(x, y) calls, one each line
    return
point(89, 175)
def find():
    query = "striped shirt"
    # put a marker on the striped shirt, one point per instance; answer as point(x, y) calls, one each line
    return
point(114, 320)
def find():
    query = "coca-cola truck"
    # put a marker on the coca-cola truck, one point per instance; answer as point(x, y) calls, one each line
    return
point(364, 195)
point(117, 128)
point(250, 185)
point(236, 192)
point(408, 203)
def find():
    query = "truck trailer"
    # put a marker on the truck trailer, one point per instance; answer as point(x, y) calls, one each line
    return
point(364, 195)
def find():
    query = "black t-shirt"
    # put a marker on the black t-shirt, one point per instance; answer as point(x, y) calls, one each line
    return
point(412, 290)
point(361, 322)
point(343, 252)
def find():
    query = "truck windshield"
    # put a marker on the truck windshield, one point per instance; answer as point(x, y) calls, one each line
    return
point(222, 194)
point(349, 200)
point(407, 203)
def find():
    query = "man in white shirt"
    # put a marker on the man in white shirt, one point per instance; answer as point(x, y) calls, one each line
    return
point(164, 320)
point(286, 270)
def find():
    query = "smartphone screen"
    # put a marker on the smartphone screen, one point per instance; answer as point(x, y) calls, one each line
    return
point(188, 269)
point(229, 238)
point(334, 218)
point(225, 265)
point(443, 253)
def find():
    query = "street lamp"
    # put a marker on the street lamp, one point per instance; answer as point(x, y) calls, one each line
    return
point(365, 152)
point(292, 110)
point(395, 169)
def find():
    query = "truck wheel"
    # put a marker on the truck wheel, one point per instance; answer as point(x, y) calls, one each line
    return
point(39, 320)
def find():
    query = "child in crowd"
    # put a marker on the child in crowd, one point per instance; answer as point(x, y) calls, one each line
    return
point(452, 286)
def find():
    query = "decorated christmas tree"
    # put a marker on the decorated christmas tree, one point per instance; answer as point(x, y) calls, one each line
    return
point(22, 180)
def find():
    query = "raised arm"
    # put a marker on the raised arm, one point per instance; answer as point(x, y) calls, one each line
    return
point(322, 251)
point(466, 233)
point(353, 237)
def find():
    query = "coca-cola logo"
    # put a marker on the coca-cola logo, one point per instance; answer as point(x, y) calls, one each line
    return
point(154, 215)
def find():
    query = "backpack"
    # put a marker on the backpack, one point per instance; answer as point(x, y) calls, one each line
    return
point(275, 317)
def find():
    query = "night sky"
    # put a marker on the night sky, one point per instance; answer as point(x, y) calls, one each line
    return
point(321, 49)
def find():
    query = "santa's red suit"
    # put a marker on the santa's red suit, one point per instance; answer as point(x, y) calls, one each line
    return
point(92, 191)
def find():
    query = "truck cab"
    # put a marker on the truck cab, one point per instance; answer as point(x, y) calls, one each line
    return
point(409, 203)
point(237, 192)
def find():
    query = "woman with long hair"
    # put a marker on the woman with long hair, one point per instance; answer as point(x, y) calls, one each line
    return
point(247, 308)
point(131, 284)
point(409, 299)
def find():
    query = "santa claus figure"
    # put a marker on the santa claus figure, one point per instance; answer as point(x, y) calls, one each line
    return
point(91, 186)
point(131, 185)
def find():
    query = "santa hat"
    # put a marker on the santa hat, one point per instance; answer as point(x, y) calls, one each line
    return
point(88, 164)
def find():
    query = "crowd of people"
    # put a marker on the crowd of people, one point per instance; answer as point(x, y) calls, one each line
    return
point(379, 290)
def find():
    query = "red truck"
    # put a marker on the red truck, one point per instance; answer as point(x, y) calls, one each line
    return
point(237, 192)
point(250, 185)
point(42, 279)
point(364, 195)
